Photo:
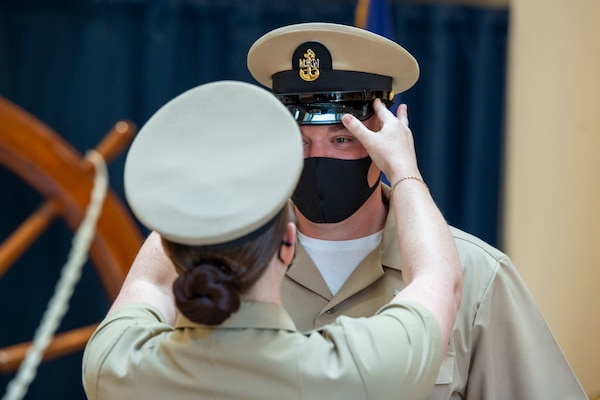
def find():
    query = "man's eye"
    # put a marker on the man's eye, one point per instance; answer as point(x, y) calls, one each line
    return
point(341, 140)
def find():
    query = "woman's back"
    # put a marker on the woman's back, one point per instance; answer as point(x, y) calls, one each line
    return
point(258, 354)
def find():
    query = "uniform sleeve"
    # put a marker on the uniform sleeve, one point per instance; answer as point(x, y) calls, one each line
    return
point(514, 354)
point(115, 349)
point(402, 341)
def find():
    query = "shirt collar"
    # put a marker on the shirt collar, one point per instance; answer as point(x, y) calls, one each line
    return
point(252, 314)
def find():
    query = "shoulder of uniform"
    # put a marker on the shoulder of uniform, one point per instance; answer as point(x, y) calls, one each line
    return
point(466, 242)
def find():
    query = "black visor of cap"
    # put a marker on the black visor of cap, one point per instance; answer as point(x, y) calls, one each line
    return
point(316, 94)
point(319, 113)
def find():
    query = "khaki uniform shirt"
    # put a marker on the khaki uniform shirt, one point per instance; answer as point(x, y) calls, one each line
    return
point(501, 347)
point(258, 354)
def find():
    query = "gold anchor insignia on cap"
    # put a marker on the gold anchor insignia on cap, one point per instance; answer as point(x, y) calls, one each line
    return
point(309, 66)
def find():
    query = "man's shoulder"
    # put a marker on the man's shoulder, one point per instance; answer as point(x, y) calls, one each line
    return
point(482, 266)
point(466, 242)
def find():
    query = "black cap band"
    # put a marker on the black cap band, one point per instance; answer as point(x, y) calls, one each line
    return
point(336, 97)
point(332, 80)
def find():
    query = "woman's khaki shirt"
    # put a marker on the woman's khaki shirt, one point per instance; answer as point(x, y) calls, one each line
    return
point(258, 354)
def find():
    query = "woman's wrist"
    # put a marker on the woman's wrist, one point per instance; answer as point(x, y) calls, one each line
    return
point(413, 178)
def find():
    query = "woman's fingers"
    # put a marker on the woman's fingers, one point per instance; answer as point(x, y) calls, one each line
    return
point(402, 114)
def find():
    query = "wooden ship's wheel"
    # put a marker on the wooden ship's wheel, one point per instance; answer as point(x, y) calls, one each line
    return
point(57, 171)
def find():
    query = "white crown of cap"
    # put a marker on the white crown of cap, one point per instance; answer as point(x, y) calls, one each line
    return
point(214, 164)
point(351, 48)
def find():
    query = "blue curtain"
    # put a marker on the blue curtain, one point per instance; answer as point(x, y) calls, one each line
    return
point(81, 65)
point(456, 109)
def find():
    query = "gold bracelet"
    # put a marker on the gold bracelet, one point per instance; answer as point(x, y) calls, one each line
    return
point(408, 177)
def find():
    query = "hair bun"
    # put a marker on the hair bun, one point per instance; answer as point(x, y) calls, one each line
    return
point(207, 294)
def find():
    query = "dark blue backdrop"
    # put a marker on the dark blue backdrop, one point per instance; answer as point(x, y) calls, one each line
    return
point(81, 65)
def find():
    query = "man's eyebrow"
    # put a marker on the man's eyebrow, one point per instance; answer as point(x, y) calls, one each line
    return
point(336, 127)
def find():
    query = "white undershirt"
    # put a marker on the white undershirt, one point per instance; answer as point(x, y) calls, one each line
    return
point(336, 259)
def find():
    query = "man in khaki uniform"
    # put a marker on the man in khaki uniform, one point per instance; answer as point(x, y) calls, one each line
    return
point(211, 173)
point(348, 262)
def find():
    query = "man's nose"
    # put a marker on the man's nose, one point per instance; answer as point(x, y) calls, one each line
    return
point(316, 149)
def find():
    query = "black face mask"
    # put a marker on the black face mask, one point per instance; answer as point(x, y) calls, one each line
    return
point(331, 190)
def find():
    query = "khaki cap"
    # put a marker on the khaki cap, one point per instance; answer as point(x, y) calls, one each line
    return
point(351, 49)
point(214, 164)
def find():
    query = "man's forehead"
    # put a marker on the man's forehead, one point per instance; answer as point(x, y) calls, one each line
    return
point(310, 130)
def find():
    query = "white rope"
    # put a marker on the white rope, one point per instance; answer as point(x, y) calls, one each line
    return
point(71, 272)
